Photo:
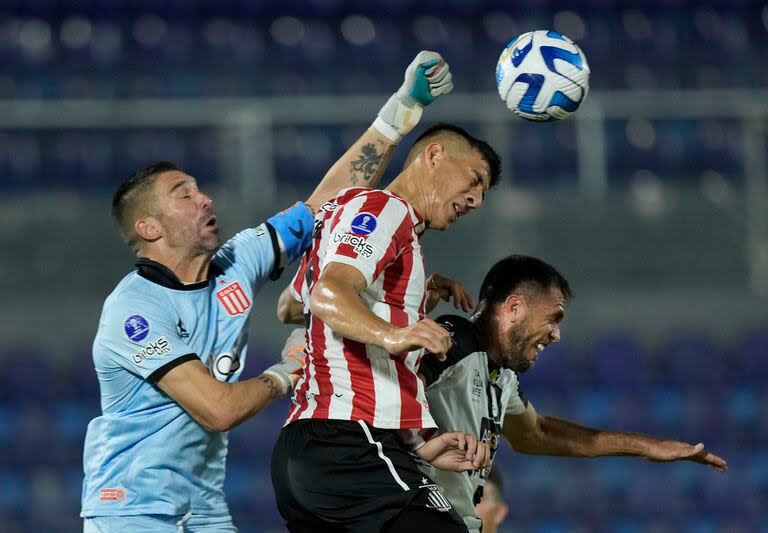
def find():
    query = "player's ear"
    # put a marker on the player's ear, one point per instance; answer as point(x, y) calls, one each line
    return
point(514, 307)
point(148, 228)
point(434, 152)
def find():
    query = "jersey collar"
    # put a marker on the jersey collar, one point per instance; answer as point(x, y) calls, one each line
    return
point(162, 275)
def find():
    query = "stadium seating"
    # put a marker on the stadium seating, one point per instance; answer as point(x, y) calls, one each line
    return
point(239, 49)
point(545, 494)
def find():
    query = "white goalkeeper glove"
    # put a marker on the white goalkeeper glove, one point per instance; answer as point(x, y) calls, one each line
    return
point(427, 77)
point(291, 367)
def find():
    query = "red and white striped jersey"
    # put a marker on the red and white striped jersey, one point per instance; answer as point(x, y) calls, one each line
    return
point(376, 232)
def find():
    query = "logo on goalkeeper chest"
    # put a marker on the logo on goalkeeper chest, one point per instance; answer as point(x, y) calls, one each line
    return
point(234, 299)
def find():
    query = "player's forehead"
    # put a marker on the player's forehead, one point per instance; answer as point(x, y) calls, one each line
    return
point(550, 301)
point(171, 180)
point(480, 167)
point(554, 300)
point(474, 165)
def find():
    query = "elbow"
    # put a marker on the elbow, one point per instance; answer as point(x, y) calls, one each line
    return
point(221, 422)
point(218, 418)
point(283, 313)
point(321, 301)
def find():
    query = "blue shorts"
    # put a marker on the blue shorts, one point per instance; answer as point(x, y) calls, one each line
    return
point(160, 524)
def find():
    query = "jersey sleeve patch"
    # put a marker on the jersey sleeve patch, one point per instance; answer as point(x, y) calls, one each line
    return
point(136, 328)
point(369, 232)
point(139, 335)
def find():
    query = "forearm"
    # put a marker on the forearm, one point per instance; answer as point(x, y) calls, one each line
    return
point(343, 310)
point(562, 437)
point(239, 401)
point(362, 165)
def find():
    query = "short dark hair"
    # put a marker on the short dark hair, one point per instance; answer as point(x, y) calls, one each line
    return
point(514, 271)
point(486, 151)
point(130, 194)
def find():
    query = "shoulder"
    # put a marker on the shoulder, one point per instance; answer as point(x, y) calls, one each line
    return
point(466, 342)
point(227, 254)
point(366, 199)
point(464, 333)
point(135, 296)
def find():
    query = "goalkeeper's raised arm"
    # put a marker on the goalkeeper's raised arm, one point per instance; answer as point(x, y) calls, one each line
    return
point(426, 78)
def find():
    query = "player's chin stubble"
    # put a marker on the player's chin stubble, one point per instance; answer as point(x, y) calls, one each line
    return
point(518, 346)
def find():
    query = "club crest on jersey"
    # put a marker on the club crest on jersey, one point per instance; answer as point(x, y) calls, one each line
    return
point(363, 224)
point(234, 299)
point(435, 499)
point(136, 328)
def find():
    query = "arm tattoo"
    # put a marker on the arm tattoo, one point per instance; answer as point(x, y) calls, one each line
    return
point(366, 165)
point(274, 391)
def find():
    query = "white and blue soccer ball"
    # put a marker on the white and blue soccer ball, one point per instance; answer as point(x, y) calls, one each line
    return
point(542, 75)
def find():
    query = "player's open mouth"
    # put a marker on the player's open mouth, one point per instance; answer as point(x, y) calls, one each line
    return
point(211, 223)
point(457, 211)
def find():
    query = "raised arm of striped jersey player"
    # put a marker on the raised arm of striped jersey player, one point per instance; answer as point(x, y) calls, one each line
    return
point(336, 301)
point(426, 78)
point(532, 433)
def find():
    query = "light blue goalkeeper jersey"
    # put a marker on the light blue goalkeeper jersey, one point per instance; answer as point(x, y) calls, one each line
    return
point(145, 454)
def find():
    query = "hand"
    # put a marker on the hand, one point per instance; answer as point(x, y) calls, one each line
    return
point(456, 451)
point(441, 288)
point(291, 367)
point(427, 77)
point(425, 333)
point(669, 450)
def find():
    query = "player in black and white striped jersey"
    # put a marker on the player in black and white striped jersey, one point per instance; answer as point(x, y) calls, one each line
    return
point(476, 390)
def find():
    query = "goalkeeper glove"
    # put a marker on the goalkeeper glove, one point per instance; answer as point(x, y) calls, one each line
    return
point(291, 367)
point(427, 77)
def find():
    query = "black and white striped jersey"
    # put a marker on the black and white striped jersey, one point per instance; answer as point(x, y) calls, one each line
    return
point(468, 392)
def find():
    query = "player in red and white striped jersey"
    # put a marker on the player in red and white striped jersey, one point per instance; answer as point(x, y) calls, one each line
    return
point(365, 285)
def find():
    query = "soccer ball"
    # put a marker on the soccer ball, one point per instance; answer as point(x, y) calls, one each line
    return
point(542, 75)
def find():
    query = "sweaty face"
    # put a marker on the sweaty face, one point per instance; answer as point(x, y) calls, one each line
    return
point(539, 327)
point(189, 222)
point(462, 181)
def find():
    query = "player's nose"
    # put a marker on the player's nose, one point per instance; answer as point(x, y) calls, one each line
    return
point(554, 335)
point(205, 201)
point(474, 199)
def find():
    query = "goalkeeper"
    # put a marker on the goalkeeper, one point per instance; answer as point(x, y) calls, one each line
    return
point(172, 337)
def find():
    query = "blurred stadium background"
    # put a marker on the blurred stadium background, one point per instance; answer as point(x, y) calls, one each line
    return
point(652, 199)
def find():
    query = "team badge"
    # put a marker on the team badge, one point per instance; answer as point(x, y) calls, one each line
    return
point(234, 299)
point(136, 328)
point(364, 224)
point(435, 499)
point(112, 494)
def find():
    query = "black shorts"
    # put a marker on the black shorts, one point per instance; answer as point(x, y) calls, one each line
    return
point(338, 475)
